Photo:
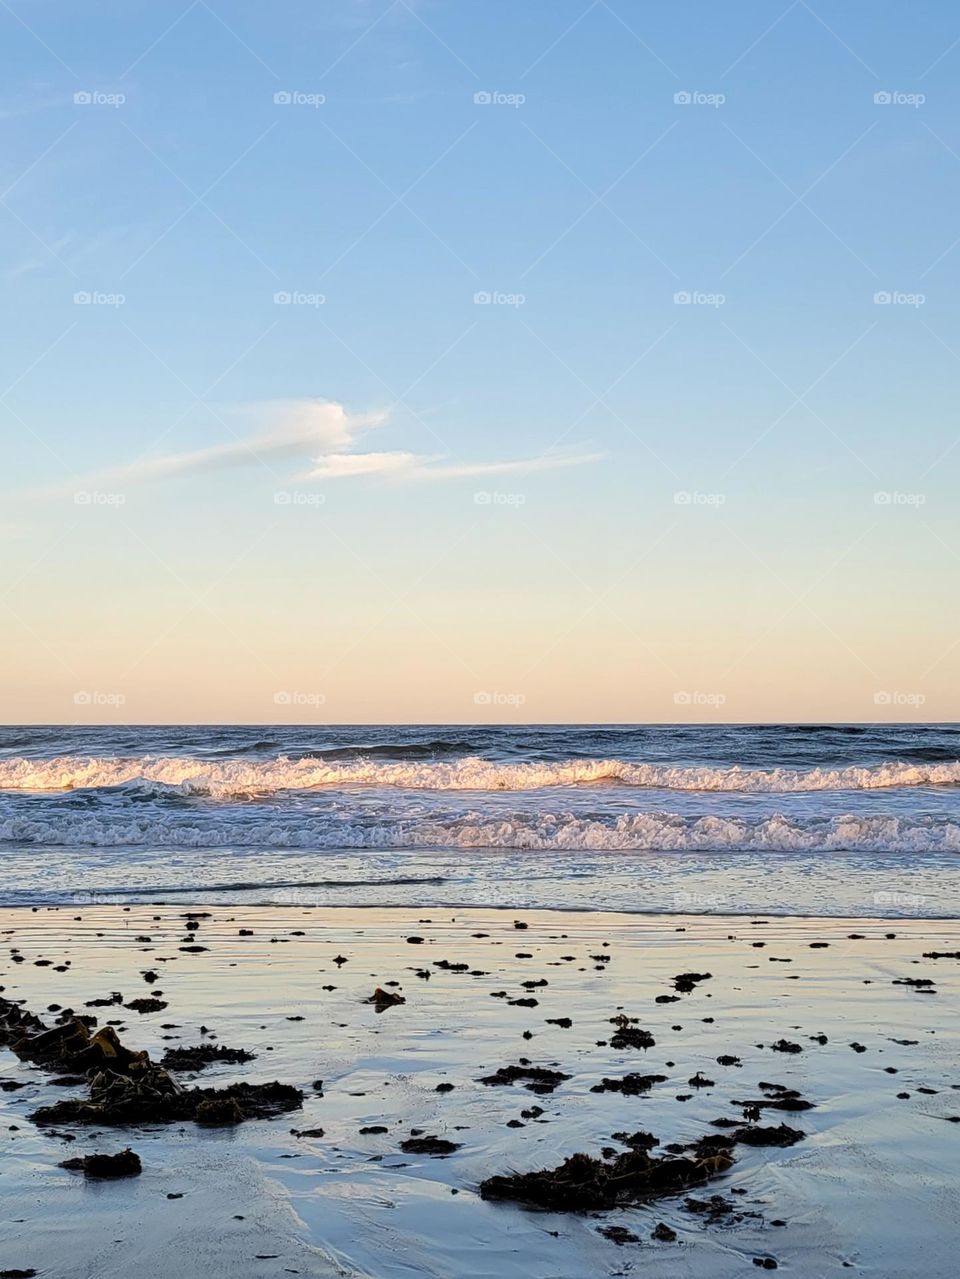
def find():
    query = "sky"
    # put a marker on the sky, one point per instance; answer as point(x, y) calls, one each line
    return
point(472, 361)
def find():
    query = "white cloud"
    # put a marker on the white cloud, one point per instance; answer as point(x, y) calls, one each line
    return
point(340, 465)
point(516, 466)
point(299, 427)
point(294, 429)
point(411, 466)
point(320, 431)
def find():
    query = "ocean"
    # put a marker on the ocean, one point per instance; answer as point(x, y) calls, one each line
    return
point(822, 820)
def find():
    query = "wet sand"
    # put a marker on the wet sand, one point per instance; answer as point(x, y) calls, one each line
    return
point(869, 1188)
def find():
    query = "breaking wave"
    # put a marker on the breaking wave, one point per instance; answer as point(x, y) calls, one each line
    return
point(237, 778)
point(641, 832)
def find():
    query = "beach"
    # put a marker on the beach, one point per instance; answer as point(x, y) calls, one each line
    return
point(866, 1023)
point(480, 743)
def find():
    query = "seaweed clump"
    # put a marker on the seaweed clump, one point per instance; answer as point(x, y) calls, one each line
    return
point(124, 1085)
point(584, 1183)
point(203, 1055)
point(106, 1167)
point(629, 1035)
point(538, 1079)
point(150, 1096)
point(630, 1085)
point(429, 1146)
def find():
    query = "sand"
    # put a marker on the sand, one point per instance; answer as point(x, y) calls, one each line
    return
point(869, 1189)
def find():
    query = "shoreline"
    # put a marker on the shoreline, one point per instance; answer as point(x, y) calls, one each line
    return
point(737, 885)
point(293, 988)
point(472, 909)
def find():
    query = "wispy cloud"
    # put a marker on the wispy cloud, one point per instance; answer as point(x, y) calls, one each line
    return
point(410, 466)
point(292, 429)
point(298, 427)
point(346, 465)
point(322, 433)
point(515, 466)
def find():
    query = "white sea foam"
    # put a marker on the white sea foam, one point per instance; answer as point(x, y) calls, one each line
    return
point(237, 778)
point(649, 831)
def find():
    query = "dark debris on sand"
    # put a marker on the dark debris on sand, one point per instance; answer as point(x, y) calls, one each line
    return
point(619, 1235)
point(384, 999)
point(629, 1035)
point(781, 1135)
point(778, 1097)
point(538, 1079)
point(126, 1087)
point(150, 1096)
point(428, 1146)
point(716, 1208)
point(106, 1167)
point(685, 982)
point(630, 1085)
point(583, 1183)
point(201, 1056)
point(146, 1005)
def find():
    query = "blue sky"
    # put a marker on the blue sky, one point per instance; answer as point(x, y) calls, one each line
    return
point(584, 494)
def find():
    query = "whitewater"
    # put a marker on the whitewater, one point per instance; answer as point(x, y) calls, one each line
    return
point(830, 819)
point(237, 778)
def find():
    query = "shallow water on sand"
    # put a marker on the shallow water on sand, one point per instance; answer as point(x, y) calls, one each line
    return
point(870, 1187)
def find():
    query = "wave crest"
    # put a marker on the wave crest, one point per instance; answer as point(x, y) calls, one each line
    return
point(560, 832)
point(224, 779)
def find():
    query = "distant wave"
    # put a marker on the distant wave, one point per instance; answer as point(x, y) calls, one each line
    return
point(394, 750)
point(931, 753)
point(845, 730)
point(653, 832)
point(237, 778)
point(257, 747)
